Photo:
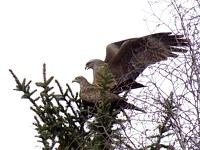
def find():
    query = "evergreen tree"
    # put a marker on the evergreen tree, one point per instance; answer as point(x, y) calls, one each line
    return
point(65, 120)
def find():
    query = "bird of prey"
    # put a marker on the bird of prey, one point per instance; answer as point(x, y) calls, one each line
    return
point(91, 94)
point(127, 59)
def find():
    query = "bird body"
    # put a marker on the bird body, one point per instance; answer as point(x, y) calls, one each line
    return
point(92, 94)
point(127, 59)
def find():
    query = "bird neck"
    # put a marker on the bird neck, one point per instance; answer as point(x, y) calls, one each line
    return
point(84, 83)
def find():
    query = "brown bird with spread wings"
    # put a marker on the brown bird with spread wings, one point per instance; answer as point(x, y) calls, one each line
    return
point(91, 94)
point(127, 59)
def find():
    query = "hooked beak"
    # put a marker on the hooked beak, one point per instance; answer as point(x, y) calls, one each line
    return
point(74, 81)
point(86, 67)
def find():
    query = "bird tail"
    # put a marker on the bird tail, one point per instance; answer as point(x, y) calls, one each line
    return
point(126, 105)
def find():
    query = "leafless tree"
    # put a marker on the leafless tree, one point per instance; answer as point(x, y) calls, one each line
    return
point(172, 95)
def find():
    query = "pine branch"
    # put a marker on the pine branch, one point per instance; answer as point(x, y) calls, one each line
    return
point(58, 117)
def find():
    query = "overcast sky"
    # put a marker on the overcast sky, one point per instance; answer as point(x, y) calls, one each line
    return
point(63, 34)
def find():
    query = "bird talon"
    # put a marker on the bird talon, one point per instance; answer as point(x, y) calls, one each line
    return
point(98, 85)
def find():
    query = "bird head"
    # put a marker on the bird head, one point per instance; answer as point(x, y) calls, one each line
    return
point(79, 79)
point(92, 63)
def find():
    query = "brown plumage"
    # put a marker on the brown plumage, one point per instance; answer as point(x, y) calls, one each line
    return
point(91, 94)
point(127, 59)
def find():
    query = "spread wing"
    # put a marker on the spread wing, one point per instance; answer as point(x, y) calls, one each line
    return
point(112, 50)
point(129, 58)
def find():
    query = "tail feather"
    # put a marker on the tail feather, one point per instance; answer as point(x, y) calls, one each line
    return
point(126, 105)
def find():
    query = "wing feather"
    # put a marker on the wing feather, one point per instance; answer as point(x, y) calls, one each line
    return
point(132, 56)
point(113, 48)
point(89, 93)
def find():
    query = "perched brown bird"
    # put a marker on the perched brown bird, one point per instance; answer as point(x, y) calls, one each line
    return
point(127, 59)
point(91, 94)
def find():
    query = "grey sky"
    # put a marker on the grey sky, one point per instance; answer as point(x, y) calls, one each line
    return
point(62, 34)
